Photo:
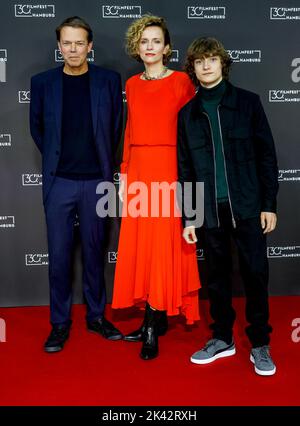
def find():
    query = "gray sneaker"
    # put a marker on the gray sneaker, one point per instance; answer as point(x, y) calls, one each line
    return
point(214, 349)
point(263, 363)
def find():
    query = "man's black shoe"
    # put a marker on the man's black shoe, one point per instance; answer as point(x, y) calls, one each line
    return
point(105, 328)
point(57, 338)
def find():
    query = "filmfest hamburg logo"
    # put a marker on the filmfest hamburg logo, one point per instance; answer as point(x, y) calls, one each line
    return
point(59, 58)
point(121, 12)
point(112, 256)
point(284, 13)
point(3, 61)
point(200, 254)
point(76, 223)
point(206, 12)
point(245, 55)
point(280, 95)
point(289, 175)
point(7, 221)
point(36, 259)
point(175, 55)
point(24, 96)
point(287, 251)
point(34, 10)
point(5, 139)
point(117, 177)
point(32, 179)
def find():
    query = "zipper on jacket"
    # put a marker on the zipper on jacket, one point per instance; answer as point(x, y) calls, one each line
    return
point(215, 167)
point(225, 168)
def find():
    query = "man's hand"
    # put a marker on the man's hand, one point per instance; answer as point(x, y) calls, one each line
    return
point(189, 235)
point(268, 221)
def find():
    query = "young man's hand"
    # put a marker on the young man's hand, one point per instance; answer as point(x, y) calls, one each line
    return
point(268, 221)
point(189, 235)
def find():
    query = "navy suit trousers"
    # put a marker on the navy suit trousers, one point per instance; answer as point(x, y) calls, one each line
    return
point(67, 199)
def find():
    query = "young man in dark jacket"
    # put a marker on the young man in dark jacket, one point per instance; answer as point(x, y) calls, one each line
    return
point(225, 141)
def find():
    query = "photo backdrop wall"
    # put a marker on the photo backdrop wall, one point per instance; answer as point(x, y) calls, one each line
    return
point(263, 40)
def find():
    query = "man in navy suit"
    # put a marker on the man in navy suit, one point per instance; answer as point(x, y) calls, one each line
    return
point(75, 121)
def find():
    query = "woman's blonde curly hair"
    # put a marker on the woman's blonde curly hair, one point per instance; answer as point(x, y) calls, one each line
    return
point(134, 34)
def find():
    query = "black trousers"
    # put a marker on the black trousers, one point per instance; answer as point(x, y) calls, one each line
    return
point(252, 250)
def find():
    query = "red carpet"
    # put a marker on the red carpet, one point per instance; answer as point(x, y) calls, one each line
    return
point(93, 371)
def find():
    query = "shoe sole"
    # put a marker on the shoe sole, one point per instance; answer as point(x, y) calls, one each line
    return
point(140, 339)
point(132, 340)
point(119, 337)
point(212, 359)
point(52, 350)
point(148, 358)
point(262, 372)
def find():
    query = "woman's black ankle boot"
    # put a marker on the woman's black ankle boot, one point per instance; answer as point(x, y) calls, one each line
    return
point(150, 335)
point(137, 335)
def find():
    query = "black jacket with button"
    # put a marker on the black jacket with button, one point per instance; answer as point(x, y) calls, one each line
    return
point(249, 152)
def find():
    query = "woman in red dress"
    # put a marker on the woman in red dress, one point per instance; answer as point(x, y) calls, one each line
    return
point(155, 265)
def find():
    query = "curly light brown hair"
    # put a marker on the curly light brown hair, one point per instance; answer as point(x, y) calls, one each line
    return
point(204, 47)
point(134, 34)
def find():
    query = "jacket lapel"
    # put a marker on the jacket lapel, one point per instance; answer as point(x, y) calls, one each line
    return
point(57, 87)
point(94, 95)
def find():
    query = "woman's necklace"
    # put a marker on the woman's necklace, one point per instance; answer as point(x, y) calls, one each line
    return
point(146, 76)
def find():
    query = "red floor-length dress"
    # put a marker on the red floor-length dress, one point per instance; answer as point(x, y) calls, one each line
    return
point(154, 262)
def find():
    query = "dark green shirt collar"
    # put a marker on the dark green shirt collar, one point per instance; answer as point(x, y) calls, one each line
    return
point(213, 94)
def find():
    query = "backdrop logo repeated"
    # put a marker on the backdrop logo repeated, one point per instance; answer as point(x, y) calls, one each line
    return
point(124, 96)
point(3, 60)
point(24, 96)
point(117, 177)
point(112, 256)
point(287, 251)
point(206, 12)
point(124, 12)
point(289, 175)
point(36, 259)
point(280, 95)
point(59, 58)
point(296, 72)
point(200, 254)
point(5, 139)
point(7, 221)
point(34, 10)
point(175, 55)
point(32, 179)
point(289, 178)
point(289, 13)
point(76, 221)
point(245, 55)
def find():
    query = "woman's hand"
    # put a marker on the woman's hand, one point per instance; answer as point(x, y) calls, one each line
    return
point(189, 235)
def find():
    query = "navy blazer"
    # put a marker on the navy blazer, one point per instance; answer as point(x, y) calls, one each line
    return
point(46, 117)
